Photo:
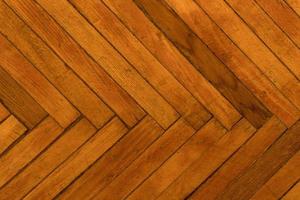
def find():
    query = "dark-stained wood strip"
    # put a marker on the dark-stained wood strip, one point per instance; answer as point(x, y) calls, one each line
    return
point(234, 58)
point(205, 61)
point(53, 68)
point(210, 160)
point(284, 17)
point(28, 148)
point(112, 62)
point(241, 160)
point(44, 93)
point(173, 60)
point(76, 57)
point(10, 130)
point(265, 167)
point(19, 102)
point(48, 161)
point(79, 161)
point(116, 160)
point(148, 162)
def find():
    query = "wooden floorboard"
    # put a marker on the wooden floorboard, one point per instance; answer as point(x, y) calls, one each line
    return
point(150, 99)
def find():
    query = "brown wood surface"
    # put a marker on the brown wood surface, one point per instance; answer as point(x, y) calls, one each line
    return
point(150, 99)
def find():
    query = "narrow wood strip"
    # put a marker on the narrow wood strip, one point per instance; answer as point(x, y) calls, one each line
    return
point(148, 162)
point(106, 169)
point(28, 148)
point(112, 62)
point(10, 130)
point(19, 102)
point(173, 61)
point(270, 33)
point(4, 113)
point(76, 57)
point(256, 50)
point(284, 17)
point(48, 161)
point(294, 193)
point(205, 61)
point(53, 68)
point(79, 161)
point(208, 162)
point(282, 181)
point(142, 60)
point(44, 93)
point(265, 167)
point(295, 4)
point(231, 55)
point(181, 160)
point(241, 160)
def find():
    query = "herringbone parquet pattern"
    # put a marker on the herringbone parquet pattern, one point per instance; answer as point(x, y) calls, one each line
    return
point(150, 99)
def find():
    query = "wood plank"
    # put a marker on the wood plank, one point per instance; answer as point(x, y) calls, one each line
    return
point(148, 162)
point(294, 193)
point(53, 68)
point(112, 62)
point(181, 160)
point(19, 102)
point(79, 161)
point(231, 55)
point(210, 160)
point(33, 174)
point(116, 160)
point(265, 167)
point(76, 57)
point(173, 61)
point(143, 61)
point(205, 61)
point(295, 4)
point(240, 161)
point(10, 130)
point(261, 24)
point(256, 50)
point(4, 113)
point(28, 148)
point(28, 76)
point(282, 181)
point(284, 17)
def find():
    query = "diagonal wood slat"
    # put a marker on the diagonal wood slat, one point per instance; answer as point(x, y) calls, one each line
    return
point(150, 99)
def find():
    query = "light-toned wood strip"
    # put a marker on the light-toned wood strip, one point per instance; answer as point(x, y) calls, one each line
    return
point(284, 17)
point(148, 162)
point(230, 54)
point(295, 4)
point(294, 193)
point(143, 61)
point(241, 160)
point(281, 182)
point(19, 102)
point(53, 68)
point(182, 159)
point(79, 161)
point(257, 52)
point(106, 169)
point(10, 130)
point(28, 148)
point(114, 64)
point(265, 166)
point(210, 160)
point(48, 161)
point(4, 113)
point(270, 33)
point(172, 60)
point(76, 57)
point(28, 76)
point(204, 60)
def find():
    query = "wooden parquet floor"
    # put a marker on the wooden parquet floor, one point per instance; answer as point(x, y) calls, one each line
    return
point(150, 99)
